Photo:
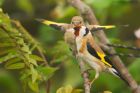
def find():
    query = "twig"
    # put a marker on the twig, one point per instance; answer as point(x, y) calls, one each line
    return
point(90, 16)
point(123, 46)
point(85, 76)
point(124, 55)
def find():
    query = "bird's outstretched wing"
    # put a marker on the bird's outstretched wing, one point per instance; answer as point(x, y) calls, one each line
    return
point(98, 27)
point(58, 26)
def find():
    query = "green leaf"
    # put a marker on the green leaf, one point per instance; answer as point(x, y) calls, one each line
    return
point(5, 19)
point(77, 91)
point(25, 49)
point(7, 57)
point(68, 89)
point(6, 44)
point(33, 86)
point(107, 92)
point(5, 51)
point(12, 61)
point(20, 41)
point(34, 73)
point(35, 57)
point(25, 74)
point(34, 62)
point(47, 71)
point(15, 66)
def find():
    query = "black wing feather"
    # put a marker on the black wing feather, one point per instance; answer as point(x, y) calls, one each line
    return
point(92, 51)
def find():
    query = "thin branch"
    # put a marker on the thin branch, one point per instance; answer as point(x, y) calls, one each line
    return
point(90, 16)
point(125, 55)
point(123, 46)
point(85, 76)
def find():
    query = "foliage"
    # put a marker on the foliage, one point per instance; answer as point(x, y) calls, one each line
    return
point(61, 53)
point(68, 89)
point(17, 53)
point(32, 69)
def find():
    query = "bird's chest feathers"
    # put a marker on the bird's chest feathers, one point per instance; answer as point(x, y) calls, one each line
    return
point(80, 31)
point(80, 38)
point(81, 45)
point(77, 31)
point(69, 36)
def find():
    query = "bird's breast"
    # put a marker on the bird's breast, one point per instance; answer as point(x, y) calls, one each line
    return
point(69, 37)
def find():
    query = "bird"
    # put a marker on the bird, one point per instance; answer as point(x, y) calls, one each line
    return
point(90, 52)
point(69, 37)
point(83, 45)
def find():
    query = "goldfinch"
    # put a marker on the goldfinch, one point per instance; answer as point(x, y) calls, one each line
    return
point(83, 45)
point(68, 30)
point(91, 53)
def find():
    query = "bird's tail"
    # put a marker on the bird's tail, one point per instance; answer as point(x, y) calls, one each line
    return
point(116, 73)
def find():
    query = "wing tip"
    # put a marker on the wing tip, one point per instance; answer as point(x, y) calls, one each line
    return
point(47, 22)
point(110, 26)
point(116, 73)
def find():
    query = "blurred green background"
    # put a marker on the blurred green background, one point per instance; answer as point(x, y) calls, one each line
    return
point(116, 12)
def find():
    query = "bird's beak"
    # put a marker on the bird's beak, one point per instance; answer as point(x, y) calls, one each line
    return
point(76, 23)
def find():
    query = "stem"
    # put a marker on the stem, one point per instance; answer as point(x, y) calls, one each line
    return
point(85, 75)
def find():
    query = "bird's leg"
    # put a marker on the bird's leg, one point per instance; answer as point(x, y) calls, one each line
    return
point(96, 76)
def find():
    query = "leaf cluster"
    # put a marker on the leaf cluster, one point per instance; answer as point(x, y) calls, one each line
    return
point(17, 53)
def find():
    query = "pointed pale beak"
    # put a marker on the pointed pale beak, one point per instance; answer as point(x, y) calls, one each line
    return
point(76, 23)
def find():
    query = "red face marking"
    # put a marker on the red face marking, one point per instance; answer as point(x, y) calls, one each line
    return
point(77, 30)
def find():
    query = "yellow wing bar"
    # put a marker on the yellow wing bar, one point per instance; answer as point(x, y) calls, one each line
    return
point(102, 56)
point(106, 27)
point(47, 22)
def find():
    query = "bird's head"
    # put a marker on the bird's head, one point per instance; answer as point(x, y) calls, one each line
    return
point(79, 29)
point(77, 21)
